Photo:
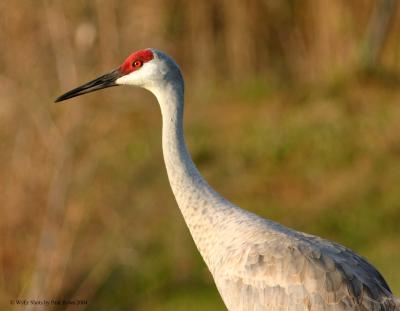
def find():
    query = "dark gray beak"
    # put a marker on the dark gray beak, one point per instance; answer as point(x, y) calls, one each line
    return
point(108, 80)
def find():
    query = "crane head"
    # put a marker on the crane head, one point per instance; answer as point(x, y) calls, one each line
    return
point(148, 68)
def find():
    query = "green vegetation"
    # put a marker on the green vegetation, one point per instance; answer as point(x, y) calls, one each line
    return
point(286, 124)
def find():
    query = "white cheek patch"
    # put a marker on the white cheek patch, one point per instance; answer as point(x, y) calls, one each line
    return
point(139, 77)
point(123, 80)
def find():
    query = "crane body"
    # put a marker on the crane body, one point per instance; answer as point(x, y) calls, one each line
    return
point(257, 264)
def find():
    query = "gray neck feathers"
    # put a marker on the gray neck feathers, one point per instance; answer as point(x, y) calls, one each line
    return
point(201, 206)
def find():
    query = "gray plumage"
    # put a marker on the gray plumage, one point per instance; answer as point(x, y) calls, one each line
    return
point(256, 263)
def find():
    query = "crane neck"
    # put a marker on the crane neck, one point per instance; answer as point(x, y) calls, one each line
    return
point(183, 175)
point(198, 202)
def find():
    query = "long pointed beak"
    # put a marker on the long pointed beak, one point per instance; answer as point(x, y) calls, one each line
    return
point(107, 80)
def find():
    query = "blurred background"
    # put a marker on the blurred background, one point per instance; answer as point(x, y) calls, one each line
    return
point(292, 111)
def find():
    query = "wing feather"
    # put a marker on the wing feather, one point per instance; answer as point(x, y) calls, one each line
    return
point(301, 272)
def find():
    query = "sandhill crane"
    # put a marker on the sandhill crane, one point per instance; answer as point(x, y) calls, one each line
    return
point(257, 264)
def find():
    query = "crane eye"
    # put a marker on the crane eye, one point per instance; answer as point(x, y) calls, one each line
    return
point(137, 64)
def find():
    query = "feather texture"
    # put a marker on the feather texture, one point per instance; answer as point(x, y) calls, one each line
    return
point(256, 263)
